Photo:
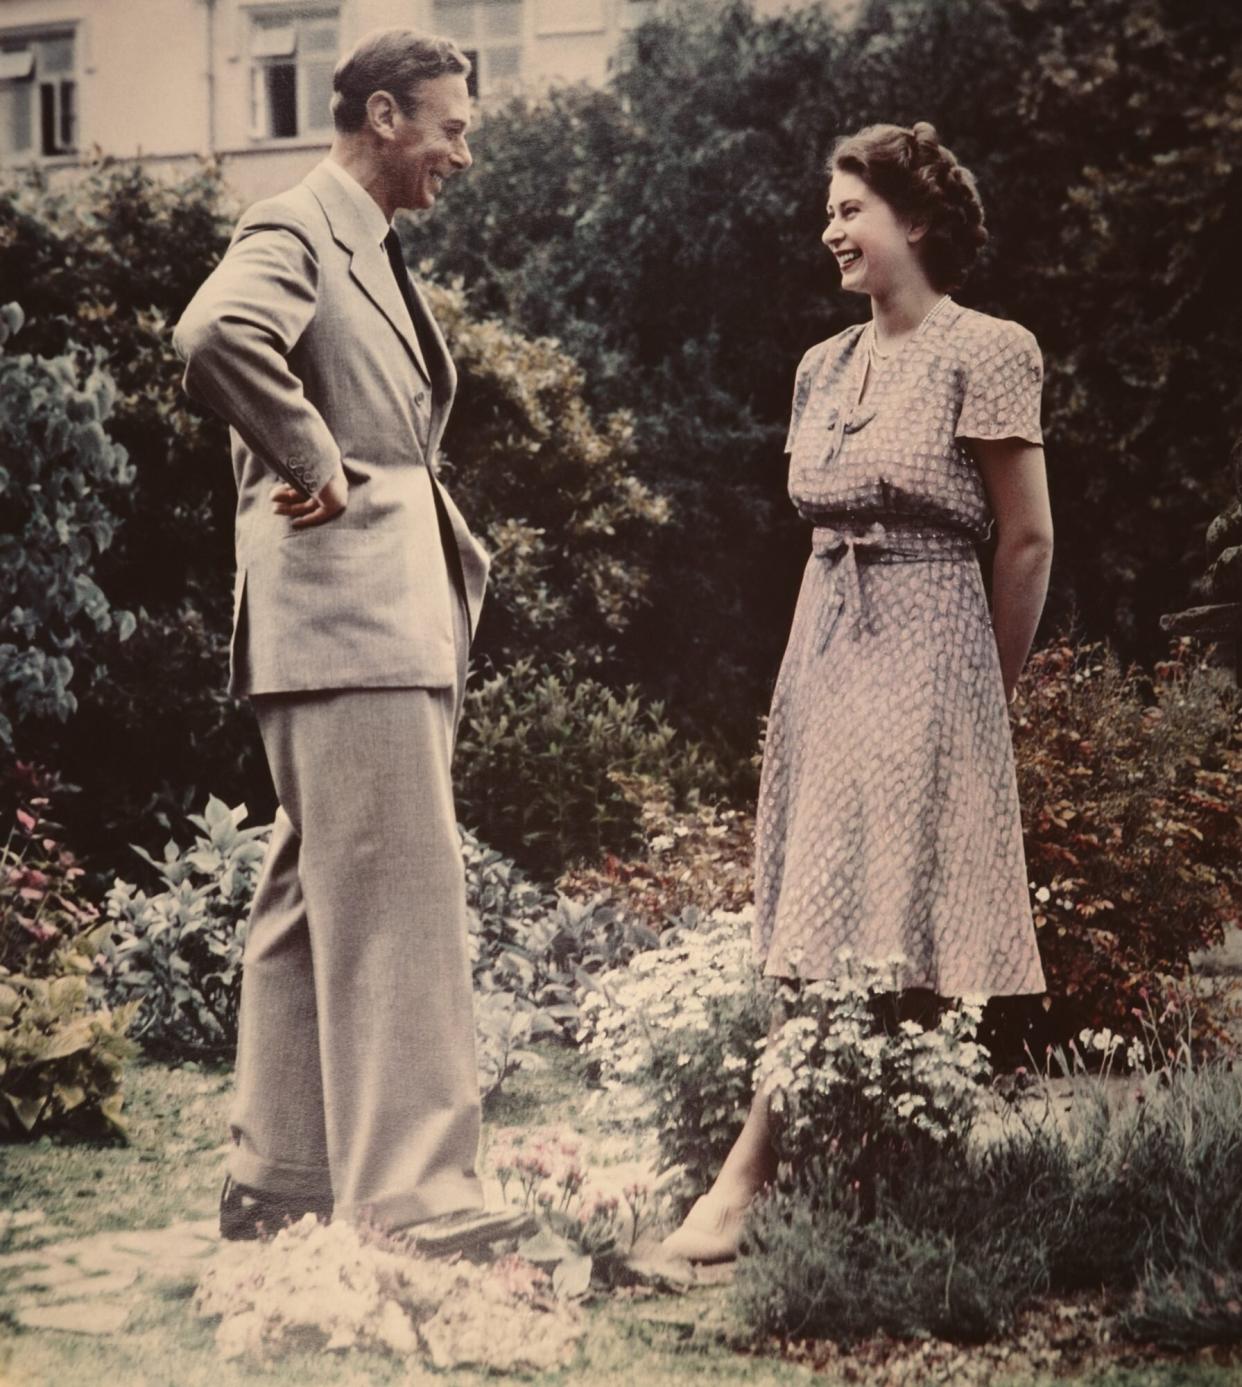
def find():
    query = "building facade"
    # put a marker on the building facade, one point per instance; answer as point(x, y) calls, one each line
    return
point(249, 81)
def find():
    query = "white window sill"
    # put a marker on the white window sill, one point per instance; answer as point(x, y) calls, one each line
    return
point(319, 139)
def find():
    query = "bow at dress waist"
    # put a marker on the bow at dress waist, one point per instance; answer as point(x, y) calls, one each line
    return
point(845, 546)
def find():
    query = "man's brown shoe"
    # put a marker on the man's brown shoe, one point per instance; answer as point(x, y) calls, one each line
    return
point(247, 1213)
point(470, 1230)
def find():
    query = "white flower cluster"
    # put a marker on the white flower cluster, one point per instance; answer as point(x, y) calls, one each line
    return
point(833, 1074)
point(665, 991)
point(1108, 1043)
point(327, 1284)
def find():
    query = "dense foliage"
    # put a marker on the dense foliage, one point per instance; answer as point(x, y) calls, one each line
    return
point(1130, 794)
point(61, 1054)
point(667, 232)
point(58, 472)
point(1134, 1200)
point(551, 493)
point(548, 761)
point(108, 263)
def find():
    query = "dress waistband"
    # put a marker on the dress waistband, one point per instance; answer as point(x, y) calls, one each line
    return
point(845, 546)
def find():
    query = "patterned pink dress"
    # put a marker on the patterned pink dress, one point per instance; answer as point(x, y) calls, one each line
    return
point(888, 813)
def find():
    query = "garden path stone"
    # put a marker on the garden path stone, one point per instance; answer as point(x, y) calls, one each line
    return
point(77, 1317)
point(90, 1285)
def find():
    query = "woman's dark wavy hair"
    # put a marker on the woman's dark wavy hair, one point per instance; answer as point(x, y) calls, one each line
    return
point(924, 184)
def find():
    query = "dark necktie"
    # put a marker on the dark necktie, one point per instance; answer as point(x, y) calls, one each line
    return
point(422, 330)
point(392, 244)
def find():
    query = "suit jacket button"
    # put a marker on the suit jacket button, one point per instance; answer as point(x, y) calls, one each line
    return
point(419, 398)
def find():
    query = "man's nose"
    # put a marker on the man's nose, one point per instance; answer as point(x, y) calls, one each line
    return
point(462, 157)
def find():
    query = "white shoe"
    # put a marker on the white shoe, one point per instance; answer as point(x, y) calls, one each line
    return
point(710, 1232)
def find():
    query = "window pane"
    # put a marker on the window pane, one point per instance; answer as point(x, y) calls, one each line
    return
point(633, 12)
point(317, 85)
point(47, 118)
point(56, 55)
point(17, 64)
point(282, 100)
point(454, 19)
point(68, 116)
point(502, 18)
point(273, 41)
point(472, 77)
point(502, 63)
point(15, 103)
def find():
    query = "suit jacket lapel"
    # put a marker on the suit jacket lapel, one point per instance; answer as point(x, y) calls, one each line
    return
point(368, 264)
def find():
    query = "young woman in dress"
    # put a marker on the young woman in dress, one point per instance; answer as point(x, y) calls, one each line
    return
point(888, 815)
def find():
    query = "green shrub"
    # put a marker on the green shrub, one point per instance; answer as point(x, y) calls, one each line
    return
point(178, 954)
point(1131, 792)
point(820, 1271)
point(538, 757)
point(1132, 1193)
point(59, 470)
point(108, 261)
point(61, 1055)
point(61, 1059)
point(551, 492)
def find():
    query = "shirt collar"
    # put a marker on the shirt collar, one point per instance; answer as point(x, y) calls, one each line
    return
point(368, 209)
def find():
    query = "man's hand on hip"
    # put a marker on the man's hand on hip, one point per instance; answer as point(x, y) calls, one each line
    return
point(306, 511)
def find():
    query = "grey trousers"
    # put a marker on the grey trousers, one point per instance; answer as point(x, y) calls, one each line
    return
point(356, 1068)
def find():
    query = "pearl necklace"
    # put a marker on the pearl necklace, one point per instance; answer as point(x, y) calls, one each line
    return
point(875, 355)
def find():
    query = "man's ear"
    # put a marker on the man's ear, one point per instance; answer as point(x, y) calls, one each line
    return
point(382, 114)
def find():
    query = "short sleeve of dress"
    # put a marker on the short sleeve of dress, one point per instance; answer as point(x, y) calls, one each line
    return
point(1004, 378)
point(802, 392)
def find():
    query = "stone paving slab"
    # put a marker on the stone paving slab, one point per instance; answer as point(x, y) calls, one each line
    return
point(91, 1285)
point(78, 1317)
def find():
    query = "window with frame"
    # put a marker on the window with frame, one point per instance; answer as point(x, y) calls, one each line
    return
point(38, 96)
point(293, 54)
point(489, 32)
point(634, 12)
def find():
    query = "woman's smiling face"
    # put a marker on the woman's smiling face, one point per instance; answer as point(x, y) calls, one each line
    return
point(874, 249)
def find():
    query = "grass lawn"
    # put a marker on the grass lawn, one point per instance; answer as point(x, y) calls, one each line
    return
point(171, 1171)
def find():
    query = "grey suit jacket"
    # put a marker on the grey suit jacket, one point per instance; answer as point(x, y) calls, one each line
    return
point(301, 341)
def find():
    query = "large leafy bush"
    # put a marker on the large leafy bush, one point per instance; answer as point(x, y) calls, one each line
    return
point(552, 493)
point(547, 758)
point(1130, 795)
point(59, 475)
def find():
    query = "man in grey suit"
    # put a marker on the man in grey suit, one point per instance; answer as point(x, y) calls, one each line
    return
point(358, 589)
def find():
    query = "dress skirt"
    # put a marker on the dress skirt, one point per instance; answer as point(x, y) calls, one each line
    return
point(888, 819)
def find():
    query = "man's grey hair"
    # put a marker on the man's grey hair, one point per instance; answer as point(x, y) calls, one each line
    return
point(396, 61)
